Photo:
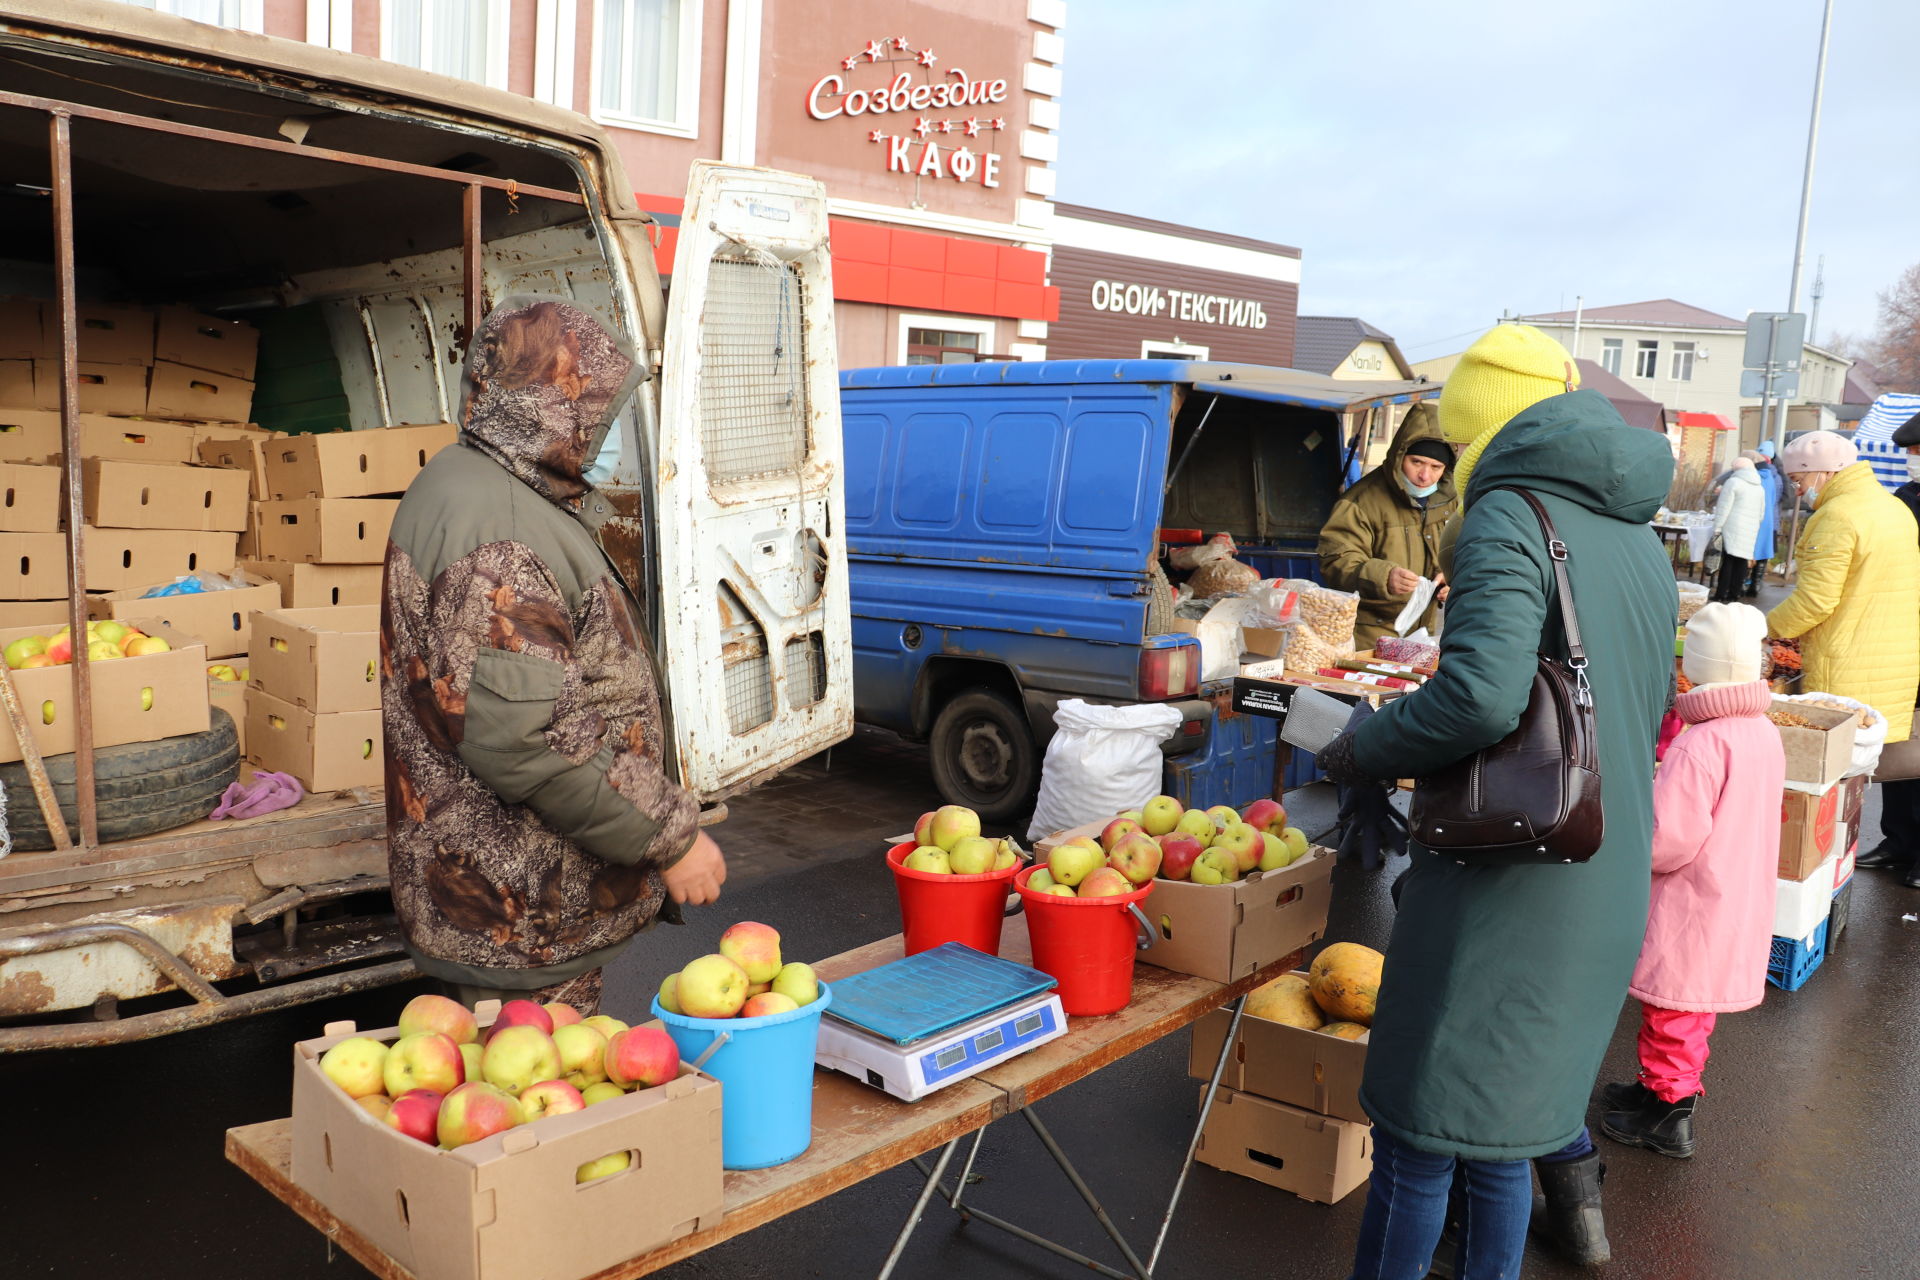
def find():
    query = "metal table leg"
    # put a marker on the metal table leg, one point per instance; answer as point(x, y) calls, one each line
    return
point(919, 1208)
point(1200, 1127)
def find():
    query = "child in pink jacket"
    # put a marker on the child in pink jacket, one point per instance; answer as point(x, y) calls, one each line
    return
point(1716, 839)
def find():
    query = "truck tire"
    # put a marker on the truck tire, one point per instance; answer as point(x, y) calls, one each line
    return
point(139, 788)
point(984, 755)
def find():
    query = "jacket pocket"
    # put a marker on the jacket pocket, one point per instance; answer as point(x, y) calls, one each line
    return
point(510, 702)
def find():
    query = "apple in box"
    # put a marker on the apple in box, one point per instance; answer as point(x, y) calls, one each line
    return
point(642, 1058)
point(437, 1013)
point(427, 1060)
point(416, 1113)
point(477, 1110)
point(518, 1058)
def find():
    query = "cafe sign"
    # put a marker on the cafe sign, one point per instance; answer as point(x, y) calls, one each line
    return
point(928, 122)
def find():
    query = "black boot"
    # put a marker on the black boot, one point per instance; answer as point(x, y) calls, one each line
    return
point(1885, 855)
point(1665, 1127)
point(1568, 1215)
point(1912, 878)
point(1626, 1097)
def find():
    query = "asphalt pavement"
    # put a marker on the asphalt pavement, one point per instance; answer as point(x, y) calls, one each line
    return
point(111, 1159)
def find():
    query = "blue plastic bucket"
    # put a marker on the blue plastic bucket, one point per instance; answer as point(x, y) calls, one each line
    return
point(766, 1072)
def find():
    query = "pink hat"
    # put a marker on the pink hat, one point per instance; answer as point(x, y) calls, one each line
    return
point(1819, 451)
point(1743, 463)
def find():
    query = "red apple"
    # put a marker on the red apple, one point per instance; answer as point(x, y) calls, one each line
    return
point(437, 1013)
point(1266, 815)
point(1136, 856)
point(1116, 831)
point(550, 1098)
point(1178, 853)
point(416, 1113)
point(521, 1013)
point(563, 1014)
point(427, 1060)
point(755, 947)
point(766, 1003)
point(1105, 882)
point(923, 829)
point(642, 1057)
point(477, 1110)
point(1243, 842)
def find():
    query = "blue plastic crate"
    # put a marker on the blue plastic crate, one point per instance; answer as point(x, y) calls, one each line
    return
point(1794, 959)
point(1236, 768)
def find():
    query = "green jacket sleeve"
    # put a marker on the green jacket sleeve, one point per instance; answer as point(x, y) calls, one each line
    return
point(1347, 554)
point(1487, 651)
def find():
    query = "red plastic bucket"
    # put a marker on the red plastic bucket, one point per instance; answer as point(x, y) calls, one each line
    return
point(1087, 944)
point(936, 908)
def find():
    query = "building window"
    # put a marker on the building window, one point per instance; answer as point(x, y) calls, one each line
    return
point(244, 14)
point(1610, 349)
point(1646, 359)
point(1682, 369)
point(465, 39)
point(1175, 350)
point(945, 340)
point(646, 64)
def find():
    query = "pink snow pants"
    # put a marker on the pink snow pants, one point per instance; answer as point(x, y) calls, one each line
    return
point(1673, 1051)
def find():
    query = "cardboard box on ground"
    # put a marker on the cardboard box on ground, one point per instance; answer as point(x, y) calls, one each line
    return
point(314, 709)
point(1317, 1157)
point(508, 1207)
point(328, 751)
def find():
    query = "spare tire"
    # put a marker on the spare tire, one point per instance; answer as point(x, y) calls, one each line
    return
point(139, 788)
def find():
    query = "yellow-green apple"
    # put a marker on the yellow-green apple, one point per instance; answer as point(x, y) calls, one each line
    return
point(221, 671)
point(930, 858)
point(710, 987)
point(1060, 891)
point(1178, 852)
point(34, 662)
point(950, 823)
point(1266, 815)
point(1116, 831)
point(520, 1013)
point(358, 1066)
point(562, 1013)
point(111, 630)
point(971, 856)
point(1215, 866)
point(1006, 854)
point(669, 998)
point(1131, 814)
point(642, 1057)
point(1040, 879)
point(1158, 815)
point(1243, 842)
point(1136, 856)
point(1104, 882)
point(427, 1060)
point(583, 1054)
point(1072, 862)
point(1198, 825)
point(604, 1167)
point(550, 1098)
point(101, 651)
point(416, 1113)
point(609, 1026)
point(1222, 815)
point(758, 989)
point(18, 651)
point(770, 1003)
point(923, 829)
point(1297, 841)
point(470, 1055)
point(141, 646)
point(1274, 853)
point(477, 1110)
point(796, 982)
point(518, 1057)
point(376, 1105)
point(606, 1091)
point(437, 1013)
point(753, 946)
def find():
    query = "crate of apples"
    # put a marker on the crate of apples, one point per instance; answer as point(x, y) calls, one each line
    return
point(106, 641)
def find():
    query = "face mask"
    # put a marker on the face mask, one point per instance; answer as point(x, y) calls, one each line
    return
point(601, 471)
point(1913, 466)
point(1425, 491)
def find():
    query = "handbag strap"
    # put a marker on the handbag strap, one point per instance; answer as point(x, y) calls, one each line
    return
point(1569, 617)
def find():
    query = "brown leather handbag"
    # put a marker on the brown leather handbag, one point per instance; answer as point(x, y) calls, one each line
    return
point(1533, 796)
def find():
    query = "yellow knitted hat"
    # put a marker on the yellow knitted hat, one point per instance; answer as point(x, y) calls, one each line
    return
point(1512, 367)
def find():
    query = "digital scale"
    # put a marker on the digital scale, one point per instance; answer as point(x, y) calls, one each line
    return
point(919, 1024)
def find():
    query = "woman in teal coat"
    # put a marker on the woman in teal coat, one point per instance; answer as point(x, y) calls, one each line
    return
point(1502, 985)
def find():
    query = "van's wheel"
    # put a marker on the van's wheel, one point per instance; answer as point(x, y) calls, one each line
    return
point(139, 788)
point(984, 756)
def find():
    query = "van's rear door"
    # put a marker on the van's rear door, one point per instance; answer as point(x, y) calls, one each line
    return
point(755, 635)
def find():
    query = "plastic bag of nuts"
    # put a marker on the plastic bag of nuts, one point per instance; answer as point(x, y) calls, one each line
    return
point(1324, 632)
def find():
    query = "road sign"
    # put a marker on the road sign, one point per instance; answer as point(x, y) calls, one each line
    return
point(1753, 382)
point(1775, 337)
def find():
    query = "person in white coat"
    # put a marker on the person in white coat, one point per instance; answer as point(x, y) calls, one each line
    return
point(1736, 521)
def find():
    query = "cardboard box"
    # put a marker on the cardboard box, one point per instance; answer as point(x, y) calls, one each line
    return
point(354, 464)
point(33, 435)
point(1224, 932)
point(327, 530)
point(1817, 757)
point(141, 699)
point(185, 336)
point(21, 337)
point(319, 659)
point(122, 559)
point(16, 383)
point(179, 392)
point(1808, 825)
point(1318, 1158)
point(241, 449)
point(143, 495)
point(1285, 1064)
point(104, 387)
point(328, 750)
point(1853, 793)
point(104, 333)
point(33, 566)
point(1800, 905)
point(221, 620)
point(31, 498)
point(507, 1208)
point(320, 586)
point(230, 696)
point(42, 615)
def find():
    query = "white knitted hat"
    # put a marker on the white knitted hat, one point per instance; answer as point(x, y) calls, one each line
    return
point(1724, 644)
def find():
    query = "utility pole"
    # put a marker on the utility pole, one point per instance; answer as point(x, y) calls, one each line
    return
point(1806, 198)
point(1819, 292)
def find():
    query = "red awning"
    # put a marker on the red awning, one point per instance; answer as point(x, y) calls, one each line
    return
point(1712, 421)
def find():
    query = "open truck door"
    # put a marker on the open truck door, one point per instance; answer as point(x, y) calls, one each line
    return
point(755, 637)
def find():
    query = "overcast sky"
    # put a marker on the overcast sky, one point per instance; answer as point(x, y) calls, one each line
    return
point(1440, 162)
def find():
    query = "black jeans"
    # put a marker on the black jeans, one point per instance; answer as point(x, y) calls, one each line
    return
point(1900, 815)
point(1733, 575)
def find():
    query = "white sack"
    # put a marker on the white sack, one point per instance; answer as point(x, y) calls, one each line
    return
point(1102, 760)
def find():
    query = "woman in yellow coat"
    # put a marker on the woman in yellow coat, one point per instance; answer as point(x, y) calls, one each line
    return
point(1856, 610)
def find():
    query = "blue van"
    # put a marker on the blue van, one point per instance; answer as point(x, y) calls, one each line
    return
point(1004, 529)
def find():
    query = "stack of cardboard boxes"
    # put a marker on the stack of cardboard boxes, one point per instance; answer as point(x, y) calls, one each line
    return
point(319, 531)
point(1819, 839)
point(170, 363)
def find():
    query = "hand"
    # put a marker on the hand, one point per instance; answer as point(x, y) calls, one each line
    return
point(695, 880)
point(1401, 582)
point(1440, 581)
point(1336, 761)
